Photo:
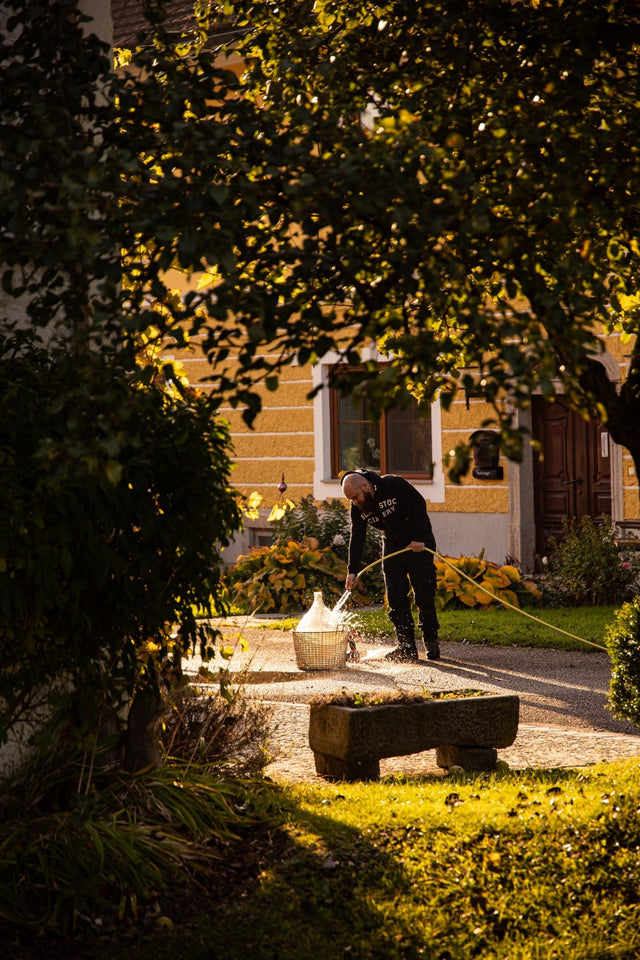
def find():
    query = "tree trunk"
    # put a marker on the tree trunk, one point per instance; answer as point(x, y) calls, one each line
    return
point(141, 746)
point(623, 407)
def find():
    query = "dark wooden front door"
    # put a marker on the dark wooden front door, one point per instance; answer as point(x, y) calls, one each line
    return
point(572, 475)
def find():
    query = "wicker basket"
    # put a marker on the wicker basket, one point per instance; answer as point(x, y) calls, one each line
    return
point(326, 650)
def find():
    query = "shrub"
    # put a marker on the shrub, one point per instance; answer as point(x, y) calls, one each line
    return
point(474, 581)
point(83, 840)
point(109, 856)
point(328, 523)
point(623, 642)
point(106, 542)
point(586, 567)
point(282, 578)
point(219, 729)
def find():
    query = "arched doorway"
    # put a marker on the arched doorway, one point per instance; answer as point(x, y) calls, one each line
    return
point(572, 477)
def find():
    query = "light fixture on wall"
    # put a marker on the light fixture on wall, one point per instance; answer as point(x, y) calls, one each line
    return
point(486, 453)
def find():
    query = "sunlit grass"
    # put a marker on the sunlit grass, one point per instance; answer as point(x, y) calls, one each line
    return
point(533, 627)
point(535, 864)
point(505, 627)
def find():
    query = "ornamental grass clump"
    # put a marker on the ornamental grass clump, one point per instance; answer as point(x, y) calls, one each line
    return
point(219, 730)
point(107, 857)
point(86, 846)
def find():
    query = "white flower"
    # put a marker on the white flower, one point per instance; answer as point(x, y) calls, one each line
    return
point(338, 540)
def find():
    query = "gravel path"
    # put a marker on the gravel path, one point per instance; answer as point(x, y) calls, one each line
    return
point(564, 720)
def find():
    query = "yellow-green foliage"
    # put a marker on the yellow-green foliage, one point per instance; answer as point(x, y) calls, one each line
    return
point(282, 578)
point(474, 581)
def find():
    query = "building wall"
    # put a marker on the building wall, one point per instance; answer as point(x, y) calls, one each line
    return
point(491, 516)
point(467, 518)
point(468, 534)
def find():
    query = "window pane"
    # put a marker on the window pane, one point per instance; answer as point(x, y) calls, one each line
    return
point(408, 442)
point(399, 443)
point(359, 438)
point(370, 456)
point(349, 452)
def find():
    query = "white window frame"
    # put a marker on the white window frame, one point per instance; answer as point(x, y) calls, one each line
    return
point(325, 487)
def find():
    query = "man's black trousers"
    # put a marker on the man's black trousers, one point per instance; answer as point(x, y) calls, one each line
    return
point(411, 571)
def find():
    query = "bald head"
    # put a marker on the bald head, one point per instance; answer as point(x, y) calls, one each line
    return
point(352, 483)
point(358, 490)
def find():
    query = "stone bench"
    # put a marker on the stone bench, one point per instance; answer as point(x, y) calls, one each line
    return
point(348, 742)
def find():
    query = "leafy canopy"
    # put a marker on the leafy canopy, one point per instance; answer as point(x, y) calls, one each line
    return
point(458, 184)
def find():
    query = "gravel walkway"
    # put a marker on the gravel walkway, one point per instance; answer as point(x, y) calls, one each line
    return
point(564, 720)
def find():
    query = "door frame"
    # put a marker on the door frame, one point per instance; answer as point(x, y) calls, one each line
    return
point(522, 525)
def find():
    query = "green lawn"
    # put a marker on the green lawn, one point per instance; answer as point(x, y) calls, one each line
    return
point(533, 627)
point(522, 866)
point(510, 627)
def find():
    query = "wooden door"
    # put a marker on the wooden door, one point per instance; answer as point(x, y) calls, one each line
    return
point(572, 476)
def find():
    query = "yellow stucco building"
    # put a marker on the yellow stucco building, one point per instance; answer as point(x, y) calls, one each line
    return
point(508, 512)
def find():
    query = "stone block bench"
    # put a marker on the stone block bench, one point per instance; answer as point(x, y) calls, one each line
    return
point(348, 742)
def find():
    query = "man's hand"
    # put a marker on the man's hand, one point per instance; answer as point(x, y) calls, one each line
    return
point(351, 581)
point(417, 546)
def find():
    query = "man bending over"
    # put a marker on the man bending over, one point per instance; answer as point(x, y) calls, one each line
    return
point(393, 506)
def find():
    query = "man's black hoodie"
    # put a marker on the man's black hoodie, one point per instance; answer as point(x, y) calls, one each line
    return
point(399, 512)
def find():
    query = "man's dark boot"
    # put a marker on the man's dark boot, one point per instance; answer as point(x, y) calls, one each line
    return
point(433, 648)
point(406, 651)
point(402, 654)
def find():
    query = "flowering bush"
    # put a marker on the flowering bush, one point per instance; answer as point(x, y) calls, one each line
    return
point(585, 567)
point(328, 523)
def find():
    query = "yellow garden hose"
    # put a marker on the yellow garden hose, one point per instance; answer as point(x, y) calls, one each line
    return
point(505, 603)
